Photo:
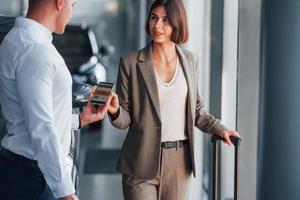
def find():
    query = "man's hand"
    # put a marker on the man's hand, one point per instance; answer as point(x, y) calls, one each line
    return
point(226, 133)
point(92, 114)
point(70, 197)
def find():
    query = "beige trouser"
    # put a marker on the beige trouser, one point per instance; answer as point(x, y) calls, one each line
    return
point(171, 183)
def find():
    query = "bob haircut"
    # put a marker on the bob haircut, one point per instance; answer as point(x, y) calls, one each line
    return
point(177, 18)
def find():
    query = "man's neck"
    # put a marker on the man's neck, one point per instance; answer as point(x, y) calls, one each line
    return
point(42, 18)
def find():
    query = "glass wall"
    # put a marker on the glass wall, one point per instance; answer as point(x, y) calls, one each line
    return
point(10, 7)
point(119, 26)
point(116, 25)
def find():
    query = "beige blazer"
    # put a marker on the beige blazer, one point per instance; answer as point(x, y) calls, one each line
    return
point(138, 96)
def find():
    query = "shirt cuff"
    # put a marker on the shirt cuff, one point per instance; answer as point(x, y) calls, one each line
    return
point(63, 189)
point(76, 121)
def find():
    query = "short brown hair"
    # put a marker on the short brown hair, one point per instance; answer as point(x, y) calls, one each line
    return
point(177, 18)
point(32, 4)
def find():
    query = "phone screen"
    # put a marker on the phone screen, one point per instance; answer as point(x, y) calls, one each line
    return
point(102, 93)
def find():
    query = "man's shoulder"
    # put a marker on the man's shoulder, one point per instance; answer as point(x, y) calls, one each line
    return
point(19, 41)
point(19, 51)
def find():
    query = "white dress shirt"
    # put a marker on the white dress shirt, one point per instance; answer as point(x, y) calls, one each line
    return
point(36, 102)
point(172, 104)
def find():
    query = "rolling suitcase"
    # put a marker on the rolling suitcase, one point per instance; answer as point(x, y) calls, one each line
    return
point(236, 142)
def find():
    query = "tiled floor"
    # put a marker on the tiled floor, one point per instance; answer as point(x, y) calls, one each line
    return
point(94, 184)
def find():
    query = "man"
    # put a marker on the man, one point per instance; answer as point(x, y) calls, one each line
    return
point(35, 97)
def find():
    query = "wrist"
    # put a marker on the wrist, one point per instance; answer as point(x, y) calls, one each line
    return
point(223, 131)
point(114, 115)
point(81, 120)
point(113, 111)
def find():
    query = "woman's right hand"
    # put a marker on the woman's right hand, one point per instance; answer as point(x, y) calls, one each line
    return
point(114, 104)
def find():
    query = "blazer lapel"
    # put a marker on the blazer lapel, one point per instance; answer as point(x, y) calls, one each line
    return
point(187, 66)
point(147, 70)
point(188, 72)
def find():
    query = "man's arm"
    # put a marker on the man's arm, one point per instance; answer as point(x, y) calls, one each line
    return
point(34, 85)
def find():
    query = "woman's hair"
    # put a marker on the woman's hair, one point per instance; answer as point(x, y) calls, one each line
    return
point(177, 18)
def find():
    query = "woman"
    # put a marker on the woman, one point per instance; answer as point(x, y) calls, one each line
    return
point(157, 89)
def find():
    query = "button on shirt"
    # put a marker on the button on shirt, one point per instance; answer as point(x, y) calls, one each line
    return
point(36, 102)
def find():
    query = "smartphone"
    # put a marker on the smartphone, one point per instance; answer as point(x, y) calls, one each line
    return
point(102, 93)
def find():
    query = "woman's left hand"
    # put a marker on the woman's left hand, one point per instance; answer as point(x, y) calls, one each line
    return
point(226, 133)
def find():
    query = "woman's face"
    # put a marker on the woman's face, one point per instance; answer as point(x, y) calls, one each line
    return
point(159, 27)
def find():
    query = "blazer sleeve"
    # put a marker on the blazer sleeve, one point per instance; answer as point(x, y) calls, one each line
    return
point(203, 119)
point(122, 89)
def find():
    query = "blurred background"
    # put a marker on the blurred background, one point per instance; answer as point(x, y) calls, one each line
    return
point(249, 78)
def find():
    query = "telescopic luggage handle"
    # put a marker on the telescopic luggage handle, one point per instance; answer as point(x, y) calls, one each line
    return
point(236, 142)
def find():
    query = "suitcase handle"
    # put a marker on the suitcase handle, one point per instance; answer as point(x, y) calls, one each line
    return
point(236, 142)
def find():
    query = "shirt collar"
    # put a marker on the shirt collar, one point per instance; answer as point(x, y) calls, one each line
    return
point(35, 27)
